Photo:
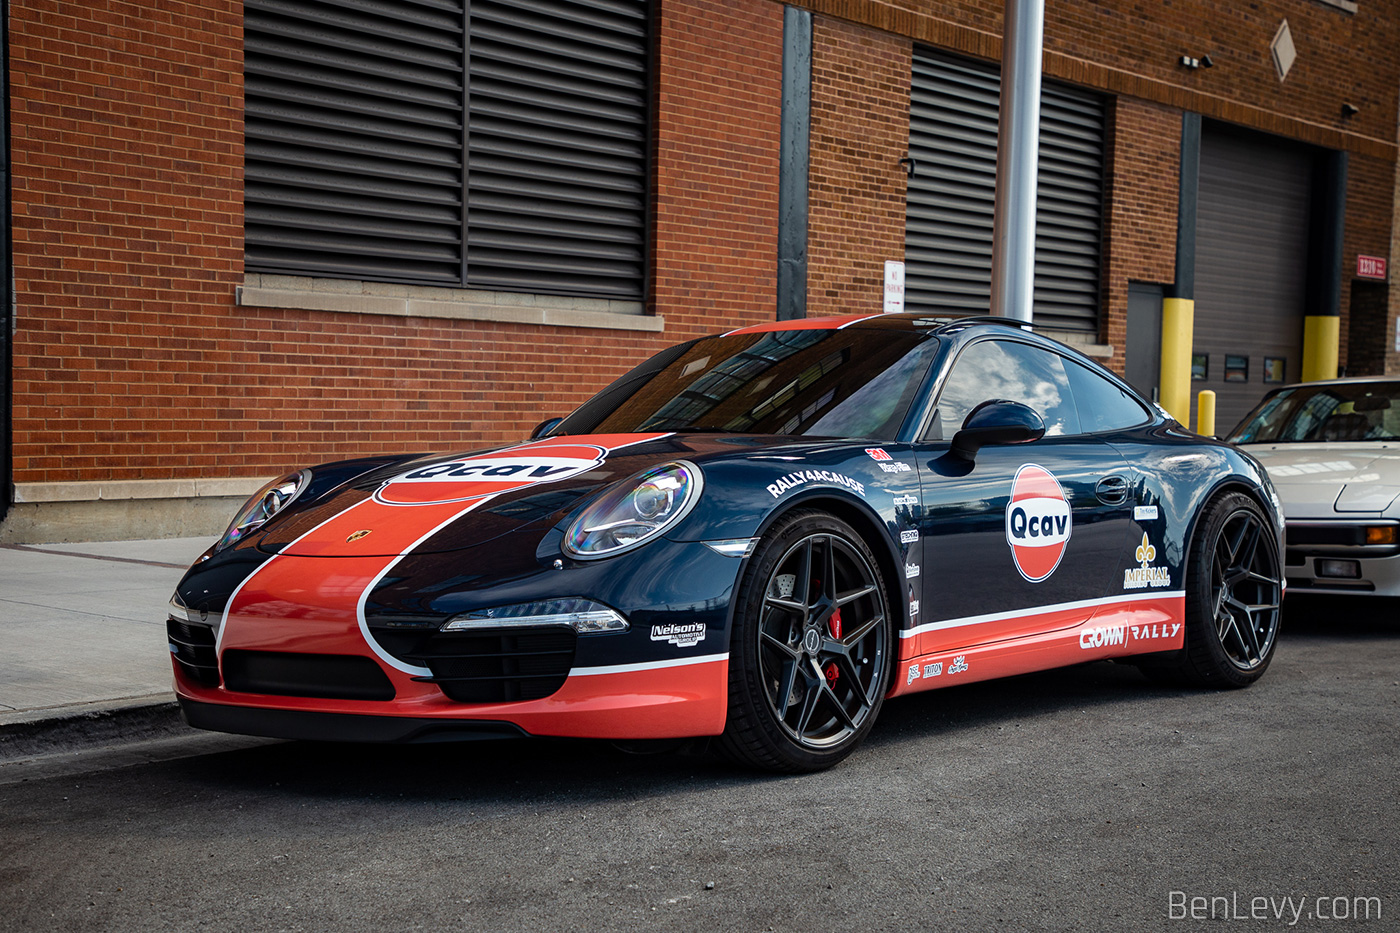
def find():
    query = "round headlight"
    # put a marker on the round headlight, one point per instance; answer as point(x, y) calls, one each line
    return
point(265, 503)
point(634, 511)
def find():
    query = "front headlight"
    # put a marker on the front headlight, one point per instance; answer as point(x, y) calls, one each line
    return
point(634, 511)
point(265, 503)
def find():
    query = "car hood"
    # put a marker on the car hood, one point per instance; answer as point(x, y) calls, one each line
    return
point(509, 495)
point(1324, 480)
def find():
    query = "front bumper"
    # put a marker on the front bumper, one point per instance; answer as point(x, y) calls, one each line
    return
point(294, 654)
point(1329, 557)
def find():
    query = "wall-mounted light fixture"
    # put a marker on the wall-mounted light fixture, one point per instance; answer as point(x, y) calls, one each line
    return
point(1188, 61)
point(1350, 110)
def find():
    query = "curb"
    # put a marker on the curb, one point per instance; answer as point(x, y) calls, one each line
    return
point(56, 730)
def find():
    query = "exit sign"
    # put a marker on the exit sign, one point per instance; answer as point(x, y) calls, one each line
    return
point(1370, 267)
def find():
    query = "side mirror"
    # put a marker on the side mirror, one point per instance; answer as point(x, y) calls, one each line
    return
point(544, 427)
point(997, 421)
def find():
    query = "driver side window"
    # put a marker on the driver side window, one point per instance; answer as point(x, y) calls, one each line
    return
point(1006, 369)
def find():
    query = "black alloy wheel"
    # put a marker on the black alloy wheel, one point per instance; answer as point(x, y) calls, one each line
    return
point(1234, 592)
point(1245, 590)
point(810, 654)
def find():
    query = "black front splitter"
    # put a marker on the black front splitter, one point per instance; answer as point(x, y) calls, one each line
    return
point(340, 727)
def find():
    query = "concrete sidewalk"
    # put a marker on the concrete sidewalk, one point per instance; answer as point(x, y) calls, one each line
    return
point(82, 640)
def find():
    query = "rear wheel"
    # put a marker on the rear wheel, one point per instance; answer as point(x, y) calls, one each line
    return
point(811, 646)
point(1233, 593)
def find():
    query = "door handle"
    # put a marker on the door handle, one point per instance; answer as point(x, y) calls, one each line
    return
point(1112, 490)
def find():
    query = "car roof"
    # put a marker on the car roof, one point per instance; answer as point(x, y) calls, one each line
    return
point(905, 321)
point(1345, 380)
point(950, 326)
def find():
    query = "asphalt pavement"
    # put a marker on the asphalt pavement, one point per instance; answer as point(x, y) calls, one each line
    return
point(82, 642)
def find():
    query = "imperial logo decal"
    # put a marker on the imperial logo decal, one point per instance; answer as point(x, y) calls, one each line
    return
point(490, 474)
point(1146, 573)
point(1038, 522)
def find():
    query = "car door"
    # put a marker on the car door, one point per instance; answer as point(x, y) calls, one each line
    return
point(1025, 538)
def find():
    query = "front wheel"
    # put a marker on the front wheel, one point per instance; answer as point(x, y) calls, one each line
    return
point(811, 647)
point(1234, 588)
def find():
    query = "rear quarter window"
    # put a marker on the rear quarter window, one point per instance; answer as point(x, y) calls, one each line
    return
point(1101, 404)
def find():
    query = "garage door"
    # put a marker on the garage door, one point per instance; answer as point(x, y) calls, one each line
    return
point(1251, 266)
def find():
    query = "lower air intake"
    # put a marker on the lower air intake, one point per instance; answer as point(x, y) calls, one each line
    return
point(323, 676)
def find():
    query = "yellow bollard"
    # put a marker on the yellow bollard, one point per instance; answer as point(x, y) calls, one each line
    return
point(1205, 413)
point(1177, 320)
point(1321, 336)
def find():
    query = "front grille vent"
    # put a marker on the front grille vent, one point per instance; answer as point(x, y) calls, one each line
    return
point(192, 646)
point(498, 666)
point(323, 676)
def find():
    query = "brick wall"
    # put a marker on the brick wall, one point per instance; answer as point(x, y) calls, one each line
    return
point(132, 361)
point(1133, 48)
point(716, 192)
point(856, 190)
point(127, 148)
point(1141, 194)
point(1370, 198)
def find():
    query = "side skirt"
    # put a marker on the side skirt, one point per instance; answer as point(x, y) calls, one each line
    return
point(1119, 629)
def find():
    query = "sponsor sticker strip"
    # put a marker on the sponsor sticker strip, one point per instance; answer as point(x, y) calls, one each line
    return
point(928, 670)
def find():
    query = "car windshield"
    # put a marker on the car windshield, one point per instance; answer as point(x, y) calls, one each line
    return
point(833, 383)
point(1349, 411)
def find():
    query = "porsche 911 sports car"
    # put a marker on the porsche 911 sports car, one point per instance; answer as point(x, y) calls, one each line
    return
point(759, 537)
point(1333, 450)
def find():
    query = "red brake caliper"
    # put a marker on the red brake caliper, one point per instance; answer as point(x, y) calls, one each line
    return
point(835, 625)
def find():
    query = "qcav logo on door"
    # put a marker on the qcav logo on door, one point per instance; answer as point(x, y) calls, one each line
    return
point(1038, 522)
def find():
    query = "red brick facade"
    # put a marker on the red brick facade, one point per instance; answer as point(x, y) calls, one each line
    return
point(860, 130)
point(133, 360)
point(716, 231)
point(127, 165)
point(1140, 206)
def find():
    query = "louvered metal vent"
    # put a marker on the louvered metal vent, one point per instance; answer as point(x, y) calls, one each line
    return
point(557, 194)
point(359, 114)
point(951, 198)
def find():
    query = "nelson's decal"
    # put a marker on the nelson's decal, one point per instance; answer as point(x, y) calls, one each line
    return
point(1038, 522)
point(490, 474)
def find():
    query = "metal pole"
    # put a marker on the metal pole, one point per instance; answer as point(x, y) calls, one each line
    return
point(1018, 153)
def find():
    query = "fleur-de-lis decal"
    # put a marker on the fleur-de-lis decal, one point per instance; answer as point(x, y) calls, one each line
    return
point(1146, 553)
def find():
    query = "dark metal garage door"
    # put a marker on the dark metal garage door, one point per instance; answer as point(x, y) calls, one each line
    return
point(1251, 265)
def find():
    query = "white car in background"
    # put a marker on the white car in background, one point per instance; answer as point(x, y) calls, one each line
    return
point(1333, 451)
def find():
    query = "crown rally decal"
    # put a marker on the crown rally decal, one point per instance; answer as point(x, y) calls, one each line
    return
point(490, 474)
point(1038, 522)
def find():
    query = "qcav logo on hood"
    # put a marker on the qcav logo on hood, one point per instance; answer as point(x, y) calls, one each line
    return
point(490, 474)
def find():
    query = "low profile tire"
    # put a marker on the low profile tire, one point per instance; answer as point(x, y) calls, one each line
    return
point(809, 657)
point(1233, 594)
